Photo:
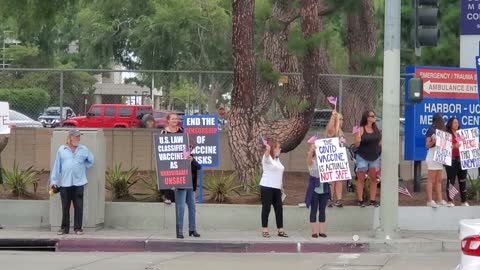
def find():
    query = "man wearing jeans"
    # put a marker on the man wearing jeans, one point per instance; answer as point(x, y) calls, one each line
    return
point(69, 173)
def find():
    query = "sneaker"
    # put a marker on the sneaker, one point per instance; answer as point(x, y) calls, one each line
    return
point(450, 204)
point(338, 203)
point(374, 203)
point(432, 204)
point(330, 204)
point(61, 232)
point(79, 232)
point(442, 203)
point(465, 204)
point(361, 204)
point(302, 205)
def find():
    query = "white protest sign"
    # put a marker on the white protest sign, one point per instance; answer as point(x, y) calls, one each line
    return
point(443, 148)
point(4, 128)
point(332, 160)
point(469, 151)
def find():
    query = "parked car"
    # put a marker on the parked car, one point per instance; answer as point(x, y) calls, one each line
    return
point(161, 118)
point(51, 116)
point(321, 118)
point(470, 244)
point(20, 120)
point(110, 116)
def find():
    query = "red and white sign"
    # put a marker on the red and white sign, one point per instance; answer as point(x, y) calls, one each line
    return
point(448, 83)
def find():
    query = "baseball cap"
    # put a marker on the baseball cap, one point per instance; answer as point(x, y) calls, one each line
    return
point(74, 132)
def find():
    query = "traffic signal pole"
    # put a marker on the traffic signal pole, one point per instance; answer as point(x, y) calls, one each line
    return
point(391, 113)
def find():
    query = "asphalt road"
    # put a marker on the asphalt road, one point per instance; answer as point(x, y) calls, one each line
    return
point(13, 260)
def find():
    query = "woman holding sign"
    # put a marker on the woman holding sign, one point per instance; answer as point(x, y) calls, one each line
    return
point(435, 169)
point(368, 141)
point(271, 186)
point(172, 127)
point(455, 170)
point(334, 129)
point(317, 195)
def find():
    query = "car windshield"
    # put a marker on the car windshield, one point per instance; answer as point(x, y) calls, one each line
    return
point(52, 111)
point(16, 116)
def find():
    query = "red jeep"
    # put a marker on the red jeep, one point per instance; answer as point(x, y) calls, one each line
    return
point(110, 116)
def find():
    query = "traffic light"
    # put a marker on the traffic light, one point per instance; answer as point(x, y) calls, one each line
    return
point(425, 32)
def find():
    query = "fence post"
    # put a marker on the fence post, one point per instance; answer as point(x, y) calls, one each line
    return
point(61, 96)
point(340, 94)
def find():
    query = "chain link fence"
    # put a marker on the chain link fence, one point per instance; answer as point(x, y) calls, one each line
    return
point(44, 93)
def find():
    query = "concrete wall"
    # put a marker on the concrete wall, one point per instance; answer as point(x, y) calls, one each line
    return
point(134, 147)
point(158, 216)
point(24, 213)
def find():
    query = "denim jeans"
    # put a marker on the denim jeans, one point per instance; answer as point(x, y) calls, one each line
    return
point(183, 196)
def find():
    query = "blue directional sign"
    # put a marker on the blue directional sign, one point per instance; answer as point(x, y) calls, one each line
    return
point(448, 91)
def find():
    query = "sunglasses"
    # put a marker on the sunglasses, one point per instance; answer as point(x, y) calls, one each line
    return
point(372, 115)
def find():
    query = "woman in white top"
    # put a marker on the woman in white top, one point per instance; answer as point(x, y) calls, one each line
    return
point(435, 169)
point(271, 187)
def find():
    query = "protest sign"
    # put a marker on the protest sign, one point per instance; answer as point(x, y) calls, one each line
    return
point(469, 151)
point(4, 119)
point(332, 160)
point(173, 167)
point(443, 148)
point(203, 133)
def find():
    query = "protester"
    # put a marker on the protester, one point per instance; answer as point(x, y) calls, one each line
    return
point(435, 169)
point(148, 121)
point(455, 171)
point(187, 196)
point(271, 186)
point(69, 173)
point(368, 141)
point(317, 195)
point(172, 127)
point(334, 129)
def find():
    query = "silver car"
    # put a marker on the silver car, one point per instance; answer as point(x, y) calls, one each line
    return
point(22, 121)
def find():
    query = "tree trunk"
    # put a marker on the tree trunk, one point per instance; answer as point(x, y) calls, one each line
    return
point(360, 93)
point(241, 116)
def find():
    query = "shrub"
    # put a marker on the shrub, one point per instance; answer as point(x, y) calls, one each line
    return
point(120, 182)
point(473, 190)
point(18, 180)
point(151, 186)
point(30, 101)
point(220, 188)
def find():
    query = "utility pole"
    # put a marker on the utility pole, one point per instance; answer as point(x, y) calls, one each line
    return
point(391, 129)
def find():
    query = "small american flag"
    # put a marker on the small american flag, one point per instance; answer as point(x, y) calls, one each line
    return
point(402, 189)
point(452, 191)
point(265, 143)
point(332, 100)
point(186, 154)
point(313, 139)
point(355, 129)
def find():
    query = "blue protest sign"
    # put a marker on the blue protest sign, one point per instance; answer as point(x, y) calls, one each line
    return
point(448, 91)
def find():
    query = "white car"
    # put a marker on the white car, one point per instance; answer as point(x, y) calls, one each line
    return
point(22, 121)
point(470, 237)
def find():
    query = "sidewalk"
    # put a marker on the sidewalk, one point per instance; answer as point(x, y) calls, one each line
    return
point(228, 241)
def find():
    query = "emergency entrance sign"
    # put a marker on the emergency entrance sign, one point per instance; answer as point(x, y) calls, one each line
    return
point(448, 91)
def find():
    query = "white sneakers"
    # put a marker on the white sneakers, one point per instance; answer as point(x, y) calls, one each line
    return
point(465, 204)
point(432, 204)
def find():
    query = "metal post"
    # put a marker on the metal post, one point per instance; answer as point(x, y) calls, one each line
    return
point(152, 91)
point(199, 93)
point(61, 96)
point(417, 174)
point(391, 114)
point(340, 94)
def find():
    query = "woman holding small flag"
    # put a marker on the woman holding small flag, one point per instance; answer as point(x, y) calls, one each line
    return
point(435, 169)
point(334, 129)
point(368, 141)
point(455, 171)
point(271, 186)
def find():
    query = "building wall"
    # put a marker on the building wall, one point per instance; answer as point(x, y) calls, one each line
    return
point(134, 147)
